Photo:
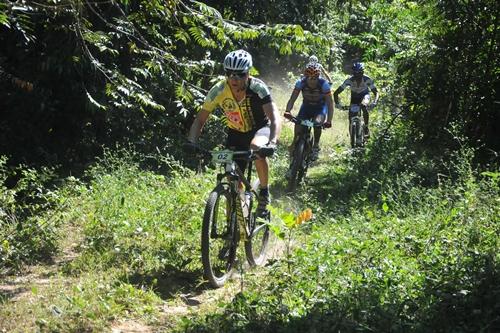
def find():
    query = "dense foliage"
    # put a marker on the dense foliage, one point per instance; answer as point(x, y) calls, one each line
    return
point(102, 73)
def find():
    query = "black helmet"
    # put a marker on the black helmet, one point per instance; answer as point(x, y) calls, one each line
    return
point(358, 67)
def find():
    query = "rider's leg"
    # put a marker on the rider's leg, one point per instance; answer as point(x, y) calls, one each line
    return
point(262, 166)
point(319, 118)
point(366, 118)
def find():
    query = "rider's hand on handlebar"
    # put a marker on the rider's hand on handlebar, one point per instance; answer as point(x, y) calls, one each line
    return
point(189, 147)
point(338, 106)
point(327, 124)
point(288, 115)
point(268, 149)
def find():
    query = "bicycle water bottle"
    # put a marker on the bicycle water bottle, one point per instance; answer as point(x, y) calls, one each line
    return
point(245, 197)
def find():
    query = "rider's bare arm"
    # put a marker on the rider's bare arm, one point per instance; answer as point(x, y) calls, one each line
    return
point(291, 101)
point(329, 105)
point(197, 126)
point(272, 113)
point(336, 94)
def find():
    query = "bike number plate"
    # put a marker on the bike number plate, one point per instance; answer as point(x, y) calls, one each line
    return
point(221, 157)
point(354, 108)
point(307, 123)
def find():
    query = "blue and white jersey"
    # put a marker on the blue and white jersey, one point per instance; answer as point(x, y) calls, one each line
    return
point(315, 95)
point(359, 90)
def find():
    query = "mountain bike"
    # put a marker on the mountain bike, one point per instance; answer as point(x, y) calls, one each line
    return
point(302, 152)
point(356, 126)
point(230, 217)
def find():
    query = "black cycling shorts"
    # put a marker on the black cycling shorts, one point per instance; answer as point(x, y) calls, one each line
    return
point(241, 141)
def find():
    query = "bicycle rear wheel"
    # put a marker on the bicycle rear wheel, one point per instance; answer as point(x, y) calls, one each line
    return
point(296, 168)
point(219, 236)
point(256, 244)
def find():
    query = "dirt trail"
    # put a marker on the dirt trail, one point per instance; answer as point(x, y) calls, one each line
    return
point(30, 284)
point(198, 302)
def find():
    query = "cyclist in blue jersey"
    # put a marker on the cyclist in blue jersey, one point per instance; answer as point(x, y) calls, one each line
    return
point(251, 115)
point(317, 104)
point(360, 85)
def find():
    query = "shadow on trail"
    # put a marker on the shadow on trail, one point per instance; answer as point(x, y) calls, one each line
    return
point(169, 284)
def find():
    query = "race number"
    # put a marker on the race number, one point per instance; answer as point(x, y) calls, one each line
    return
point(307, 123)
point(222, 156)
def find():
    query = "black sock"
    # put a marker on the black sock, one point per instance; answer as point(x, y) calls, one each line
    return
point(264, 191)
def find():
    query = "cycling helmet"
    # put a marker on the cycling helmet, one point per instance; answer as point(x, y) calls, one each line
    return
point(358, 67)
point(313, 59)
point(239, 60)
point(312, 70)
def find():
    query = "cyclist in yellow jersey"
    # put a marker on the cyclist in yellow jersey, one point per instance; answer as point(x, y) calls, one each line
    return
point(252, 117)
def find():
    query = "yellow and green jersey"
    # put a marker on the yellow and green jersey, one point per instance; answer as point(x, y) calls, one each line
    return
point(241, 116)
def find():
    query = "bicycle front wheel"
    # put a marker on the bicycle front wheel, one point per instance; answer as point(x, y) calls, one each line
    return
point(219, 236)
point(353, 132)
point(256, 244)
point(297, 164)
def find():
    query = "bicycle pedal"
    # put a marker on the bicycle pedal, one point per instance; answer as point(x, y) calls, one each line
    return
point(264, 215)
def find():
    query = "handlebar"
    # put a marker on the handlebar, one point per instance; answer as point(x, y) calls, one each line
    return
point(236, 154)
point(348, 107)
point(304, 122)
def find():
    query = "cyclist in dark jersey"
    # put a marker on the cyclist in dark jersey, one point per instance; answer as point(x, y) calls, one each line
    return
point(360, 85)
point(251, 116)
point(317, 103)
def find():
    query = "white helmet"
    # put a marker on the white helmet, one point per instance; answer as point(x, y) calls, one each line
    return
point(313, 59)
point(239, 60)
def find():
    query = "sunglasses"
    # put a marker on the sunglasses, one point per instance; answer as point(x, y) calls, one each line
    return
point(237, 75)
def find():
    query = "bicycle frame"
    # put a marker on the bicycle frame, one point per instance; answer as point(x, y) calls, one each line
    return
point(303, 147)
point(232, 175)
point(305, 134)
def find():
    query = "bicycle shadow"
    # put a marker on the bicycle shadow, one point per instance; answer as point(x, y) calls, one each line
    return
point(168, 285)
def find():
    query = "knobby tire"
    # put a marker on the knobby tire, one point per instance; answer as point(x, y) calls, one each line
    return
point(256, 244)
point(219, 236)
point(298, 157)
point(353, 133)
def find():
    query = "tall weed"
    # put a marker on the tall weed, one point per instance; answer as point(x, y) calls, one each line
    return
point(28, 215)
point(142, 221)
